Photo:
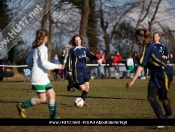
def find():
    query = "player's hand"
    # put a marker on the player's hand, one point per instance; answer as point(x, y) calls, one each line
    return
point(60, 66)
point(63, 66)
point(129, 84)
point(99, 57)
point(164, 57)
point(70, 73)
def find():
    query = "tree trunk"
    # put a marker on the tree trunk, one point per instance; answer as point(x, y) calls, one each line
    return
point(92, 28)
point(104, 26)
point(45, 17)
point(84, 21)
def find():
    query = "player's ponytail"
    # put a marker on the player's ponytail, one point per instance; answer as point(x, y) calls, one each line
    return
point(143, 34)
point(147, 35)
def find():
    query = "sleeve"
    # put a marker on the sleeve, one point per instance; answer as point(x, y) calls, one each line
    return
point(90, 55)
point(29, 60)
point(145, 55)
point(44, 60)
point(166, 52)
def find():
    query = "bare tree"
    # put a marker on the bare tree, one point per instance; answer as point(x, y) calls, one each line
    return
point(92, 31)
point(109, 32)
point(84, 21)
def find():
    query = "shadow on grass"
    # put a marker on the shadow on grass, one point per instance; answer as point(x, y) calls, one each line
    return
point(101, 97)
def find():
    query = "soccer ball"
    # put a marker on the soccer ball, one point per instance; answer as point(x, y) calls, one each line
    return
point(79, 102)
point(92, 77)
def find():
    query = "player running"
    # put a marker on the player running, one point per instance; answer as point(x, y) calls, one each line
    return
point(161, 75)
point(77, 66)
point(38, 63)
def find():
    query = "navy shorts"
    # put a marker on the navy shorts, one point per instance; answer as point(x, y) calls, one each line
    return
point(161, 79)
point(80, 75)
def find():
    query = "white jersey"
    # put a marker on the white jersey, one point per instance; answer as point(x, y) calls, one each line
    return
point(38, 64)
point(130, 62)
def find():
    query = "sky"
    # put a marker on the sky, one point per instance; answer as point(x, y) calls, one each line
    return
point(163, 17)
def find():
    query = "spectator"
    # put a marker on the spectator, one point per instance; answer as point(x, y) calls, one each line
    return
point(102, 60)
point(55, 60)
point(107, 68)
point(117, 58)
point(172, 62)
point(130, 65)
point(171, 58)
point(61, 58)
point(136, 60)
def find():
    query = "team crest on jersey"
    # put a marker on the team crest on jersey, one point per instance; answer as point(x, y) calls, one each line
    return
point(82, 56)
point(160, 50)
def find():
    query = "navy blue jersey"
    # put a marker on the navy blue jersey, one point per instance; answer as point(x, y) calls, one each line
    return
point(162, 48)
point(77, 57)
point(152, 58)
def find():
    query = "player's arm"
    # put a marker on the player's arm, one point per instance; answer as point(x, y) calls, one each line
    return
point(44, 60)
point(165, 55)
point(143, 61)
point(90, 55)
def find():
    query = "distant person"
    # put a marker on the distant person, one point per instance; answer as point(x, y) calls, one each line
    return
point(56, 72)
point(161, 75)
point(171, 58)
point(38, 64)
point(101, 60)
point(172, 62)
point(117, 58)
point(130, 65)
point(61, 58)
point(109, 64)
point(136, 60)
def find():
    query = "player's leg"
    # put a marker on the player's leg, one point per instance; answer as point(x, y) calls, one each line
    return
point(70, 82)
point(84, 85)
point(162, 93)
point(52, 103)
point(40, 89)
point(152, 97)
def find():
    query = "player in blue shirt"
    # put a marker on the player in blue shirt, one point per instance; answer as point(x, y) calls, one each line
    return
point(77, 65)
point(162, 48)
point(161, 74)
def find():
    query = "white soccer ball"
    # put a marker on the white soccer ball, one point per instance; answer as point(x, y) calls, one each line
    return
point(79, 102)
point(92, 77)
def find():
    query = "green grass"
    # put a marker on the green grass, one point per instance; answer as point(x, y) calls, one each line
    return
point(107, 98)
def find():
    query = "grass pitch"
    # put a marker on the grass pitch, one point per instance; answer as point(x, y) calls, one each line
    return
point(107, 98)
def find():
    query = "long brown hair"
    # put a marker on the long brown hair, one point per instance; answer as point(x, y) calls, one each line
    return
point(144, 33)
point(40, 34)
point(73, 39)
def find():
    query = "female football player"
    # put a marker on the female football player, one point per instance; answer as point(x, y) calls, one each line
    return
point(161, 74)
point(38, 64)
point(162, 48)
point(77, 65)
